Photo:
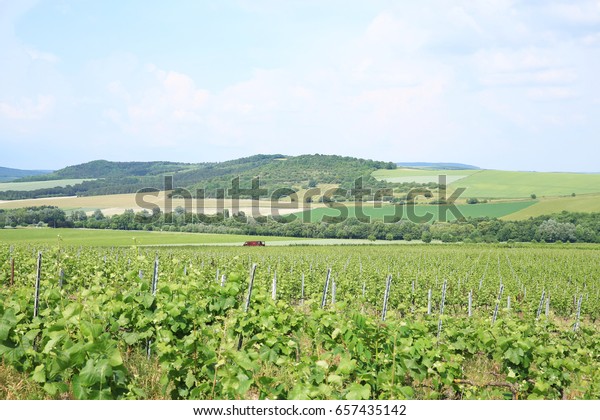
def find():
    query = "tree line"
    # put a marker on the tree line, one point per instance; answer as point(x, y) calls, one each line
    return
point(561, 227)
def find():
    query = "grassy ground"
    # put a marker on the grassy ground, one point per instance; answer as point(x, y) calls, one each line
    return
point(553, 191)
point(146, 375)
point(506, 184)
point(502, 184)
point(36, 185)
point(467, 210)
point(588, 203)
point(15, 385)
point(78, 237)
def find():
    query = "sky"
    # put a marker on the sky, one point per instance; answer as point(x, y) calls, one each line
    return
point(495, 83)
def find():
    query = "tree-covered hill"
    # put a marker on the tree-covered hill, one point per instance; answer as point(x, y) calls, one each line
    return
point(274, 171)
point(107, 169)
point(11, 174)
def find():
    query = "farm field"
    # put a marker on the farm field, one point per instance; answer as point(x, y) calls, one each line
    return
point(588, 203)
point(118, 203)
point(459, 322)
point(97, 237)
point(511, 192)
point(36, 185)
point(498, 209)
point(506, 184)
point(121, 238)
point(502, 184)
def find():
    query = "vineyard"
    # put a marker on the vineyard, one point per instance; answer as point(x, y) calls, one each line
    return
point(302, 322)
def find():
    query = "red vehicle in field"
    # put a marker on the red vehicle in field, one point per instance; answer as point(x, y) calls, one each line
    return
point(254, 243)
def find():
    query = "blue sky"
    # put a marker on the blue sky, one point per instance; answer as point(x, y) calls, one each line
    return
point(496, 83)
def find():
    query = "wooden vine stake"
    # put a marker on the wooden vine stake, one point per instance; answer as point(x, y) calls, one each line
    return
point(302, 289)
point(36, 302)
point(223, 280)
point(576, 326)
point(250, 286)
point(153, 288)
point(470, 303)
point(386, 296)
point(61, 278)
point(247, 304)
point(539, 311)
point(155, 277)
point(429, 302)
point(274, 286)
point(12, 271)
point(442, 309)
point(497, 304)
point(325, 289)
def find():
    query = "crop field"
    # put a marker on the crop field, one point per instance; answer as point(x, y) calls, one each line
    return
point(118, 203)
point(499, 209)
point(506, 184)
point(95, 237)
point(351, 322)
point(501, 184)
point(123, 238)
point(36, 185)
point(588, 203)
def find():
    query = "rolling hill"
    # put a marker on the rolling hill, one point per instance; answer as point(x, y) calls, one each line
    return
point(494, 184)
point(274, 171)
point(513, 191)
point(107, 169)
point(11, 174)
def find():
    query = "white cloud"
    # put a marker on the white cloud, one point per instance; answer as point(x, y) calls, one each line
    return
point(551, 93)
point(510, 60)
point(590, 40)
point(553, 76)
point(28, 108)
point(388, 31)
point(156, 110)
point(402, 80)
point(41, 55)
point(580, 12)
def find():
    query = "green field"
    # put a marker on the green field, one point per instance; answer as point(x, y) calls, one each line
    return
point(505, 184)
point(110, 238)
point(501, 184)
point(393, 322)
point(467, 210)
point(589, 203)
point(36, 185)
point(77, 237)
